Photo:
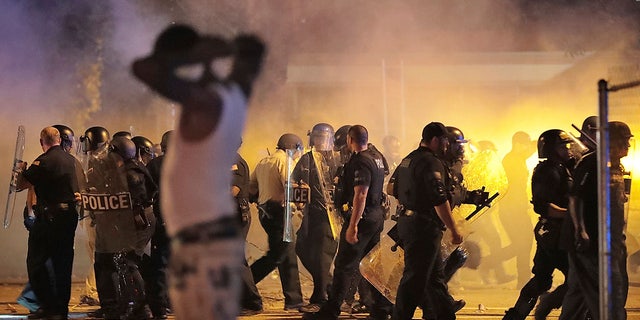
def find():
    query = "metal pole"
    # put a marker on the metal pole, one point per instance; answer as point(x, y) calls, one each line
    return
point(604, 214)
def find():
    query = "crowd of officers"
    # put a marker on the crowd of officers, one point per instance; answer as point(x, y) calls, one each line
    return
point(341, 221)
point(112, 187)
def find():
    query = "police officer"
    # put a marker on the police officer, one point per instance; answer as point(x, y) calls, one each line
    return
point(251, 301)
point(126, 260)
point(267, 181)
point(156, 282)
point(315, 243)
point(53, 176)
point(550, 185)
point(144, 149)
point(583, 295)
point(421, 188)
point(362, 184)
point(95, 147)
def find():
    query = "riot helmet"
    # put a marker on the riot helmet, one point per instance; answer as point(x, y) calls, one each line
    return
point(165, 140)
point(66, 136)
point(94, 138)
point(456, 144)
point(619, 130)
point(549, 140)
point(144, 148)
point(289, 141)
point(588, 131)
point(619, 135)
point(321, 137)
point(124, 147)
point(340, 138)
point(125, 134)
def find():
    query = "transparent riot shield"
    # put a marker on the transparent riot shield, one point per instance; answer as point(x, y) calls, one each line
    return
point(294, 194)
point(384, 264)
point(107, 201)
point(17, 158)
point(483, 172)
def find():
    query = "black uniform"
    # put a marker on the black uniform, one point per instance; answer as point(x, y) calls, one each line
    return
point(125, 263)
point(365, 168)
point(315, 245)
point(422, 183)
point(550, 183)
point(251, 299)
point(583, 295)
point(53, 175)
point(156, 282)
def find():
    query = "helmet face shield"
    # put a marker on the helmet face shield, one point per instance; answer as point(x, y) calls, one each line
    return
point(322, 141)
point(322, 137)
point(85, 144)
point(576, 147)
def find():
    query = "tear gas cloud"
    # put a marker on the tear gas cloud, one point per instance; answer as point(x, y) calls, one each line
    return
point(490, 68)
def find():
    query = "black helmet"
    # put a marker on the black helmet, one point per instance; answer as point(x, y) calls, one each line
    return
point(289, 141)
point(144, 145)
point(456, 143)
point(165, 140)
point(94, 138)
point(340, 137)
point(123, 147)
point(549, 139)
point(125, 134)
point(321, 137)
point(619, 130)
point(455, 135)
point(590, 124)
point(66, 135)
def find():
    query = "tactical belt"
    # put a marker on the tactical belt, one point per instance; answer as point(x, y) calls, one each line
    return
point(224, 228)
point(62, 206)
point(424, 216)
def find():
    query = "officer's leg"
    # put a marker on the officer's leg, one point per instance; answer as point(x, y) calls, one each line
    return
point(437, 289)
point(37, 256)
point(251, 298)
point(553, 300)
point(64, 227)
point(290, 276)
point(329, 248)
point(272, 225)
point(543, 266)
point(418, 238)
point(619, 281)
point(346, 264)
point(106, 274)
point(308, 249)
point(573, 305)
point(380, 307)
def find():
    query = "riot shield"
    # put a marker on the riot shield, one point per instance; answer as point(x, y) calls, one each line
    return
point(483, 172)
point(108, 202)
point(384, 264)
point(293, 194)
point(316, 171)
point(17, 158)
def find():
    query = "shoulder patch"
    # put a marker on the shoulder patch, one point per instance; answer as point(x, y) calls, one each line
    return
point(379, 163)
